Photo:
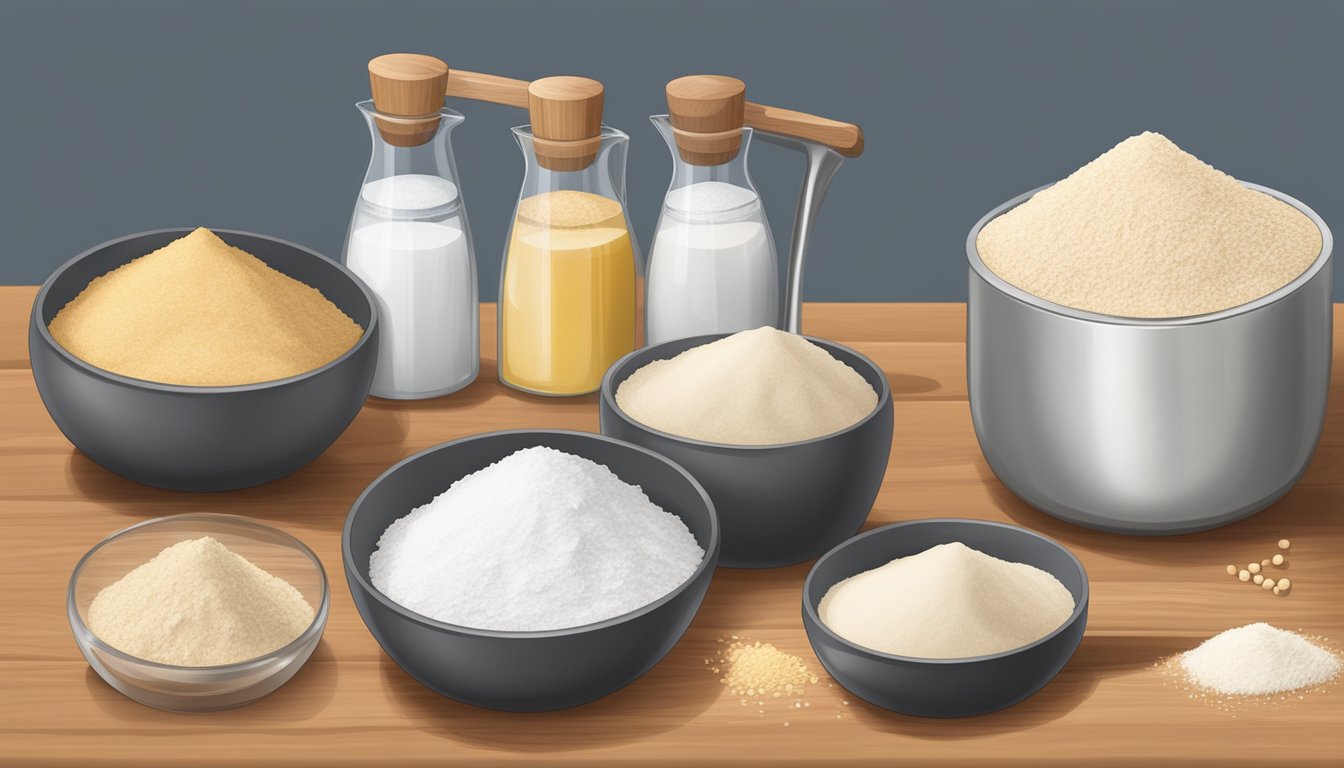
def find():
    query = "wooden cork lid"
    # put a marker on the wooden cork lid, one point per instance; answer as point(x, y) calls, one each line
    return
point(707, 113)
point(408, 89)
point(566, 116)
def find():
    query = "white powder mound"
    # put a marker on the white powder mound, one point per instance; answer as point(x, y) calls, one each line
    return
point(758, 387)
point(196, 604)
point(1258, 660)
point(947, 602)
point(709, 197)
point(1147, 230)
point(410, 192)
point(539, 540)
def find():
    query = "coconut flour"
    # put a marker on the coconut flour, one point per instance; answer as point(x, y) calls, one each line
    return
point(1147, 230)
point(196, 604)
point(758, 387)
point(539, 540)
point(947, 602)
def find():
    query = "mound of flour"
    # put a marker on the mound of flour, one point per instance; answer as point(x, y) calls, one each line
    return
point(539, 540)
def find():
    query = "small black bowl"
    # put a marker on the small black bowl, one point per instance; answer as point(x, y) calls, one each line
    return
point(778, 504)
point(189, 438)
point(525, 671)
point(944, 687)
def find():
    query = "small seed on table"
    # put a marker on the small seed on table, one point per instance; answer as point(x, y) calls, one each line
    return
point(1278, 560)
point(1267, 584)
point(1231, 570)
point(1258, 579)
point(1244, 575)
point(1253, 567)
point(1285, 584)
point(1283, 543)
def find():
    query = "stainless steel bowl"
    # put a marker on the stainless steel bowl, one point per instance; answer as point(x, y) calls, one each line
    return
point(1149, 426)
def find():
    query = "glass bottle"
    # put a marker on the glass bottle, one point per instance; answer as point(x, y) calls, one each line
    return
point(712, 265)
point(568, 281)
point(410, 243)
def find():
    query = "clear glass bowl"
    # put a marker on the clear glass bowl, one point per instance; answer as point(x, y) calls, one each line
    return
point(197, 689)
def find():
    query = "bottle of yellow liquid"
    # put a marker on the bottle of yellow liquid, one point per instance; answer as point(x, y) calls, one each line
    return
point(567, 302)
point(567, 292)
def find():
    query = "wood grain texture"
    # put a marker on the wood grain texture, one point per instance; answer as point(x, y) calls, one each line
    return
point(482, 87)
point(407, 85)
point(845, 138)
point(352, 706)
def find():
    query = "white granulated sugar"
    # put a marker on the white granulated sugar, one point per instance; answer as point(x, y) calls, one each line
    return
point(1258, 660)
point(410, 192)
point(709, 197)
point(539, 540)
point(947, 602)
point(1148, 230)
point(758, 387)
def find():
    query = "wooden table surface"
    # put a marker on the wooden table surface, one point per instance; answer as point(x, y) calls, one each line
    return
point(351, 705)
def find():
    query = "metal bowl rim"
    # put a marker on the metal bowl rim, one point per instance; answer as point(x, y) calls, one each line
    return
point(1024, 297)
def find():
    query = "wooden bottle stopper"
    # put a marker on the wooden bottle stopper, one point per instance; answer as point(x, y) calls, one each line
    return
point(566, 116)
point(707, 114)
point(408, 90)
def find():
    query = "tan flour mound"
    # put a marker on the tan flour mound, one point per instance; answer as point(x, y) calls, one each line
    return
point(201, 312)
point(1148, 230)
point(198, 603)
point(758, 387)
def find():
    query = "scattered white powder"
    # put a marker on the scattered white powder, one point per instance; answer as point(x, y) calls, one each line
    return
point(1258, 660)
point(410, 192)
point(536, 541)
point(947, 602)
point(758, 387)
point(196, 604)
point(709, 197)
point(1147, 230)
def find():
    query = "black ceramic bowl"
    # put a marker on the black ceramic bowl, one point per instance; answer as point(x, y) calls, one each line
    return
point(525, 671)
point(944, 687)
point(778, 504)
point(202, 438)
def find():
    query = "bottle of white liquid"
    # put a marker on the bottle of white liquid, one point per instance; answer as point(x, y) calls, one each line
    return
point(423, 276)
point(408, 238)
point(712, 268)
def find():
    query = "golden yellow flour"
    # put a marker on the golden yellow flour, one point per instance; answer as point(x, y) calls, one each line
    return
point(1148, 230)
point(201, 312)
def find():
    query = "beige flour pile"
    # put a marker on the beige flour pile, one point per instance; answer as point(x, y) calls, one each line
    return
point(201, 312)
point(759, 387)
point(1147, 230)
point(947, 602)
point(198, 604)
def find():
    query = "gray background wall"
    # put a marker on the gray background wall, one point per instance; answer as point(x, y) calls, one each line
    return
point(137, 114)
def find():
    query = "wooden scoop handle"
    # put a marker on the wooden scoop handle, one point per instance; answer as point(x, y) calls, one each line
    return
point(481, 87)
point(845, 138)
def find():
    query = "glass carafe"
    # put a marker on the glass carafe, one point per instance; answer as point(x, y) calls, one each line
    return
point(409, 241)
point(712, 264)
point(567, 289)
